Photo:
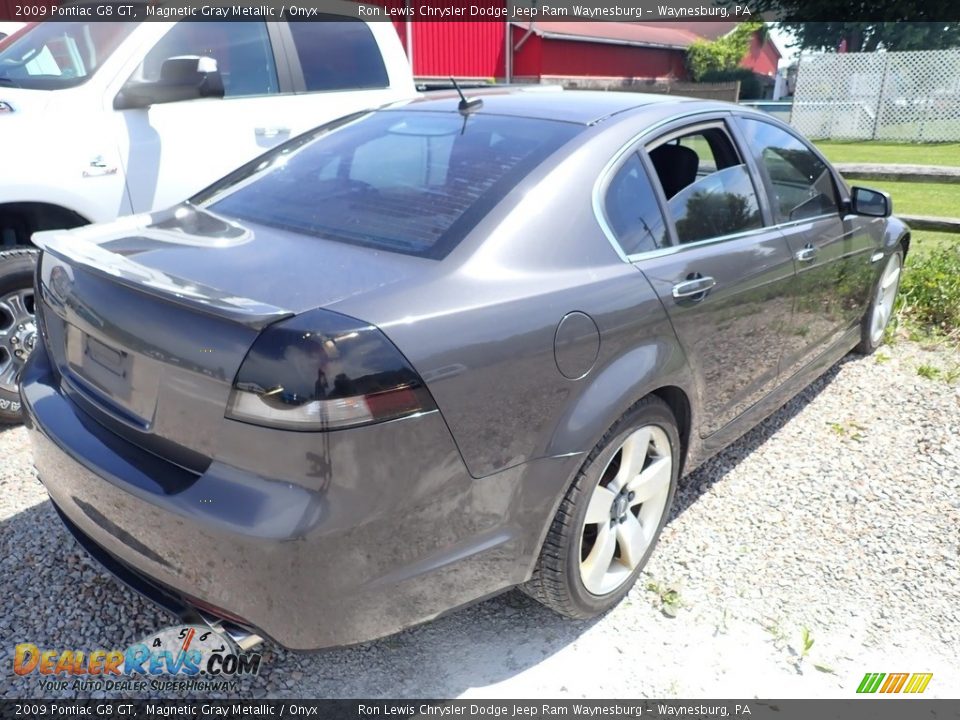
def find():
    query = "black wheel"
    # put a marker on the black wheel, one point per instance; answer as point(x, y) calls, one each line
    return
point(609, 521)
point(880, 311)
point(18, 330)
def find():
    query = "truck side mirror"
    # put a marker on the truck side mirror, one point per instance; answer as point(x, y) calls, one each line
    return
point(187, 77)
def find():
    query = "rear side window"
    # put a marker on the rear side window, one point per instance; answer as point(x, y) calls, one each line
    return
point(409, 182)
point(632, 209)
point(801, 182)
point(708, 188)
point(338, 54)
point(242, 50)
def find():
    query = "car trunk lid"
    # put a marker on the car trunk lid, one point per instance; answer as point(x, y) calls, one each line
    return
point(148, 323)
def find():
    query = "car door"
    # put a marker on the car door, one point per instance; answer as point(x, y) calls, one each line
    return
point(172, 150)
point(832, 256)
point(722, 274)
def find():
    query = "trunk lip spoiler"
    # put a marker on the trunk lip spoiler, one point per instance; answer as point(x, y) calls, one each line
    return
point(163, 286)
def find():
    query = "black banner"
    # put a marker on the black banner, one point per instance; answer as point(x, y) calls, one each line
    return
point(853, 709)
point(524, 11)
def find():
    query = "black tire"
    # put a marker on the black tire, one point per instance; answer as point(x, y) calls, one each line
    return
point(556, 581)
point(17, 268)
point(868, 344)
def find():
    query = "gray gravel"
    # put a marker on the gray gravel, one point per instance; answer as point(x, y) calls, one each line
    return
point(839, 516)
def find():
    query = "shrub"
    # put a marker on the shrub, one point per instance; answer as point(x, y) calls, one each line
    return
point(750, 86)
point(930, 290)
point(724, 53)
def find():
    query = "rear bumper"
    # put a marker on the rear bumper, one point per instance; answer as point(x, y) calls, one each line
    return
point(394, 531)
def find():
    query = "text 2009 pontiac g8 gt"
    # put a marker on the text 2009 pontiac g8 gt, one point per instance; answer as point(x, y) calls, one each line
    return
point(434, 351)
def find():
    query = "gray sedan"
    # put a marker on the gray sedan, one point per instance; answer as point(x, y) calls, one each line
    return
point(431, 352)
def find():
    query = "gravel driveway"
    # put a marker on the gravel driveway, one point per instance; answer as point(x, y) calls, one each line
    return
point(839, 516)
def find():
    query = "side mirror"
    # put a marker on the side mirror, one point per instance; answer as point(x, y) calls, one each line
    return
point(187, 77)
point(873, 203)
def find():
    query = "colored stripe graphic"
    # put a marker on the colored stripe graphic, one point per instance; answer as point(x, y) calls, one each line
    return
point(918, 683)
point(870, 682)
point(894, 683)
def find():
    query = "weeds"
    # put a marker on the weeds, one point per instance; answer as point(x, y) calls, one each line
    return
point(806, 642)
point(849, 429)
point(930, 372)
point(670, 600)
point(930, 293)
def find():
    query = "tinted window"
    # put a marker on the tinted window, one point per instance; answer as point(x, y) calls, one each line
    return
point(410, 182)
point(242, 50)
point(54, 55)
point(632, 209)
point(338, 55)
point(801, 182)
point(722, 203)
point(709, 190)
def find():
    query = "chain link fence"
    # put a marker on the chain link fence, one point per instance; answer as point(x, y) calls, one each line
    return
point(900, 96)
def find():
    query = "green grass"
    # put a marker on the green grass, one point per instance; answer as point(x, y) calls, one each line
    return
point(924, 242)
point(901, 153)
point(909, 198)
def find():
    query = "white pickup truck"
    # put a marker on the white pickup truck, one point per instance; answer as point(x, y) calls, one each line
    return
point(102, 119)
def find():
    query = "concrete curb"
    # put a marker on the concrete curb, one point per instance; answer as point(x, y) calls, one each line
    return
point(899, 173)
point(928, 222)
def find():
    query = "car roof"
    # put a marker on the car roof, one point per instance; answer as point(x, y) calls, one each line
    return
point(584, 107)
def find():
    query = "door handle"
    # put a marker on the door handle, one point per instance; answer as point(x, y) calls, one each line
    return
point(807, 254)
point(693, 286)
point(270, 132)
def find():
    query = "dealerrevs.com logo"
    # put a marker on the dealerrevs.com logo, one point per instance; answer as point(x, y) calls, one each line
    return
point(183, 657)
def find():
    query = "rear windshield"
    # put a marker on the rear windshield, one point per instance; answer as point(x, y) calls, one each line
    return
point(408, 182)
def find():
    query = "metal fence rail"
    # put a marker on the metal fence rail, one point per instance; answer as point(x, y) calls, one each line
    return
point(904, 96)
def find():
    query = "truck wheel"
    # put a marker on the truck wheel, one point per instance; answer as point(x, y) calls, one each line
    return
point(18, 329)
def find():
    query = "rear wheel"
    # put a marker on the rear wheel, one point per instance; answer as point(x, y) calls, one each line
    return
point(18, 330)
point(610, 519)
point(880, 312)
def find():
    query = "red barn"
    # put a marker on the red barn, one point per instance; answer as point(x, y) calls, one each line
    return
point(544, 50)
point(541, 50)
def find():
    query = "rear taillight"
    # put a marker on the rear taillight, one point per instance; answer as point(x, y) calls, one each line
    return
point(324, 371)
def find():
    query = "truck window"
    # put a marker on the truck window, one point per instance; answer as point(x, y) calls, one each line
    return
point(338, 55)
point(57, 55)
point(242, 50)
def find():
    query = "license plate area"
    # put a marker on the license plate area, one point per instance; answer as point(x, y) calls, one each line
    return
point(116, 362)
point(119, 381)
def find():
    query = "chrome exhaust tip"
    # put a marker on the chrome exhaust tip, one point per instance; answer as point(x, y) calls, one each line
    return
point(242, 638)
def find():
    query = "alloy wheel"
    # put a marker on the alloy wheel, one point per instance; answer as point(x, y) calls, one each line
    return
point(625, 510)
point(18, 335)
point(886, 296)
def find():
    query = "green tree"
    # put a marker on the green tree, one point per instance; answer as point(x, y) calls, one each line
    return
point(722, 54)
point(886, 24)
point(867, 37)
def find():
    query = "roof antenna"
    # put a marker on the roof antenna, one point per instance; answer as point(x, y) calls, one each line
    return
point(466, 106)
